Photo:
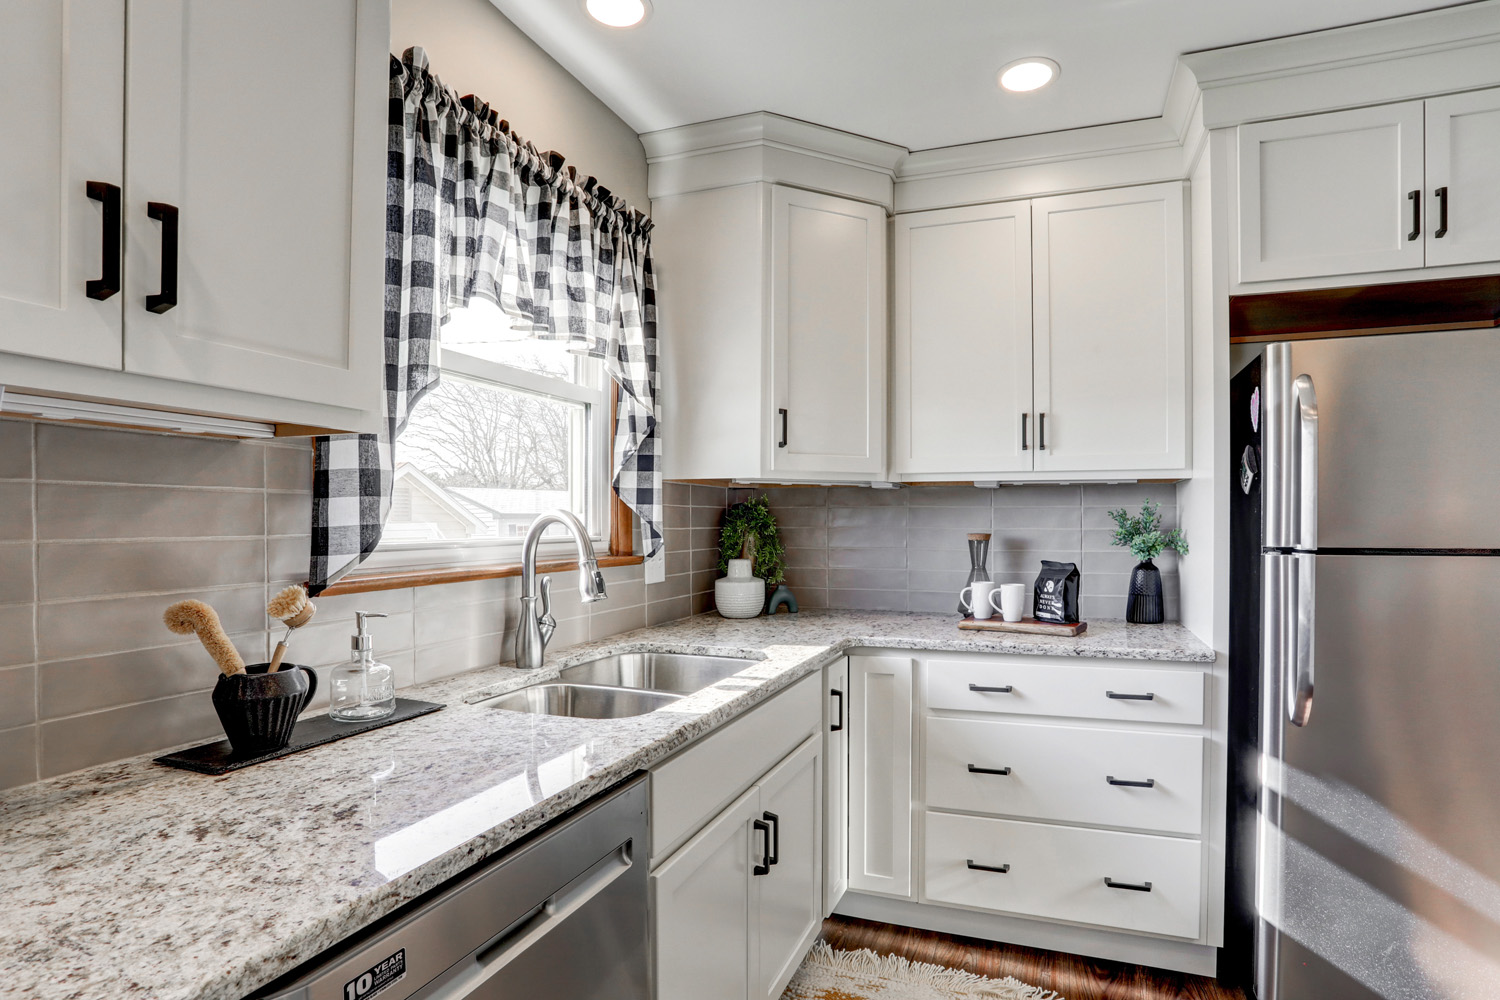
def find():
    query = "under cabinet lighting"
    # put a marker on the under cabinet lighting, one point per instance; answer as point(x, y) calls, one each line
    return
point(1031, 73)
point(618, 13)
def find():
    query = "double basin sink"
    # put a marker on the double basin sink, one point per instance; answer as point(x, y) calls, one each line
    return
point(622, 685)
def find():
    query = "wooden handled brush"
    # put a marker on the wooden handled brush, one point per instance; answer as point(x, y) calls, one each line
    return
point(195, 616)
point(293, 609)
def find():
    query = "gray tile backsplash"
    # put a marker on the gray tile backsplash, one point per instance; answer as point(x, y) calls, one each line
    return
point(101, 529)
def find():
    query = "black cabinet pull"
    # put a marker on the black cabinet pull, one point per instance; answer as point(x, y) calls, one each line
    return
point(1041, 432)
point(764, 868)
point(973, 769)
point(109, 284)
point(1007, 689)
point(774, 858)
point(997, 869)
point(1416, 214)
point(1442, 229)
point(167, 216)
point(839, 725)
point(1148, 783)
point(1148, 696)
point(1025, 443)
point(782, 442)
point(1143, 887)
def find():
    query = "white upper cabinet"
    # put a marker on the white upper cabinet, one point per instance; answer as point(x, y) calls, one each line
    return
point(1109, 297)
point(961, 341)
point(60, 247)
point(828, 334)
point(1463, 178)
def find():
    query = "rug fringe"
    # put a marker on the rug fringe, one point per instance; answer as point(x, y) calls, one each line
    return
point(866, 962)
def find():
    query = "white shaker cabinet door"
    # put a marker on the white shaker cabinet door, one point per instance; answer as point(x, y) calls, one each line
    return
point(1463, 178)
point(701, 901)
point(260, 130)
point(880, 770)
point(828, 341)
point(790, 911)
point(63, 123)
point(836, 784)
point(1110, 330)
point(961, 341)
point(1330, 194)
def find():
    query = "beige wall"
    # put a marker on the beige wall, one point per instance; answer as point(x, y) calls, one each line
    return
point(474, 49)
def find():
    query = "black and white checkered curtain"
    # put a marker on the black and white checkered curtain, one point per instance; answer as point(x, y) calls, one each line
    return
point(474, 211)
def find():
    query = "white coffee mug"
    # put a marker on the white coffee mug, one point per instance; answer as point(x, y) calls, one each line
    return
point(981, 597)
point(1012, 601)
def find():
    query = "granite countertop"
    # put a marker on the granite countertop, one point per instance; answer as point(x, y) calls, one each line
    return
point(136, 880)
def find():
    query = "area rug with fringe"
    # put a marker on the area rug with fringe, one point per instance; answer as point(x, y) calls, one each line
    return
point(828, 974)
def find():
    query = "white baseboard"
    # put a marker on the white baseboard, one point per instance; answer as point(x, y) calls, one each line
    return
point(1157, 953)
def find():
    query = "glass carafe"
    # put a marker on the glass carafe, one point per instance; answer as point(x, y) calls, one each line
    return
point(979, 572)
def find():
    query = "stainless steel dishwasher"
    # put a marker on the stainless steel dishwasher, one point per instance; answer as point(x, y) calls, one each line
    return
point(562, 917)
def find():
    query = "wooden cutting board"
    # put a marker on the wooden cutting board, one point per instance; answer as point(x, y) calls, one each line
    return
point(1029, 626)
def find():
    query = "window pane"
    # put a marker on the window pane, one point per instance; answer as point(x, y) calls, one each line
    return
point(481, 330)
point(478, 461)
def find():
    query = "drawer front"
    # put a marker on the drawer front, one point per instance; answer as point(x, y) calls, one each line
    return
point(689, 789)
point(1064, 773)
point(1059, 872)
point(1083, 692)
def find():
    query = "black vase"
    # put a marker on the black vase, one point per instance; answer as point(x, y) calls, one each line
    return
point(258, 710)
point(1144, 605)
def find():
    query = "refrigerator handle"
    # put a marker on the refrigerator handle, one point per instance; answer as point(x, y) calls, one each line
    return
point(1305, 441)
point(1303, 588)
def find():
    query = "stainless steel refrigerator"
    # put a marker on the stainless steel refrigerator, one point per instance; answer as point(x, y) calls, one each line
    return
point(1365, 666)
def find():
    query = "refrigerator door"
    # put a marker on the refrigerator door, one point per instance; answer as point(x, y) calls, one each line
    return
point(1380, 818)
point(1407, 439)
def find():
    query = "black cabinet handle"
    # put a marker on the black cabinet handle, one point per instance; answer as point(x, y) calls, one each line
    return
point(1025, 442)
point(997, 869)
point(1148, 696)
point(1007, 689)
point(774, 858)
point(1148, 783)
point(1041, 432)
point(1442, 229)
point(764, 868)
point(1143, 887)
point(973, 769)
point(109, 284)
point(782, 442)
point(167, 216)
point(839, 725)
point(1416, 214)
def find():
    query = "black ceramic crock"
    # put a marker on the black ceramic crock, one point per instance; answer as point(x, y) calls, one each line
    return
point(259, 710)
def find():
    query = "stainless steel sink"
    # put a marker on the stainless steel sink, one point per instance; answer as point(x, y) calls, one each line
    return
point(682, 673)
point(581, 701)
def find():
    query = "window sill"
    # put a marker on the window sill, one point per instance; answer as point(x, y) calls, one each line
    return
point(368, 582)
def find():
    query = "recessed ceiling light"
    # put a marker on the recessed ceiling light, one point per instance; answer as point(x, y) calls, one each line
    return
point(1031, 73)
point(618, 13)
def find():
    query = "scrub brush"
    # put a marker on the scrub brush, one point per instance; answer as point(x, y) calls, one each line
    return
point(195, 616)
point(294, 610)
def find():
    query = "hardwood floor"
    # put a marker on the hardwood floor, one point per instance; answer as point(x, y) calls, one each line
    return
point(1074, 977)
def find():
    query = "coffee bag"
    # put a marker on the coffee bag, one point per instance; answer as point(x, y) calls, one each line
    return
point(1057, 593)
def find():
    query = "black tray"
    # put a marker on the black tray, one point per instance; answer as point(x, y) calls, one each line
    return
point(220, 758)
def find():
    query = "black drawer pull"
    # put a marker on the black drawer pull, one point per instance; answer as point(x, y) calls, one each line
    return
point(109, 196)
point(764, 868)
point(974, 769)
point(1415, 197)
point(775, 821)
point(1025, 443)
point(1148, 696)
point(1442, 229)
point(782, 415)
point(837, 726)
point(1007, 689)
point(1148, 783)
point(1143, 887)
point(997, 869)
point(167, 216)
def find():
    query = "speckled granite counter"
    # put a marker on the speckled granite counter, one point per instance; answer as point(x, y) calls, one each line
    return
point(135, 880)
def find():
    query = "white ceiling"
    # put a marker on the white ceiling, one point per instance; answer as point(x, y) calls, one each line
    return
point(919, 73)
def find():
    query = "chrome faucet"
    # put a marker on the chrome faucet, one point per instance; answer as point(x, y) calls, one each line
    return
point(537, 623)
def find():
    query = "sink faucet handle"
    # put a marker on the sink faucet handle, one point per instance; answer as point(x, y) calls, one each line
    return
point(544, 618)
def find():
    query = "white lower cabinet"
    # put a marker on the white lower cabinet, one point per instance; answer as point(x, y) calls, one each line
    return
point(788, 899)
point(835, 784)
point(880, 772)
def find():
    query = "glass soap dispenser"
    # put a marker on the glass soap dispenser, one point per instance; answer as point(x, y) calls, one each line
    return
point(364, 688)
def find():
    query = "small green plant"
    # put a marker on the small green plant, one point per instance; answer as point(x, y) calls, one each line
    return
point(750, 532)
point(1143, 536)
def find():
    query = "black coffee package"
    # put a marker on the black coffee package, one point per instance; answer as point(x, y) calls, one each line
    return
point(1057, 593)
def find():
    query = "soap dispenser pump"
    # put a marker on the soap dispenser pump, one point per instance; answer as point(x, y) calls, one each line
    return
point(364, 689)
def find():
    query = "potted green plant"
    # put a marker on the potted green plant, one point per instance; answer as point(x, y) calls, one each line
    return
point(1143, 536)
point(753, 556)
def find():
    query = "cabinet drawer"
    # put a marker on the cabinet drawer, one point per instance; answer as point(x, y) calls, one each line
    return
point(1060, 872)
point(694, 786)
point(1084, 692)
point(1064, 772)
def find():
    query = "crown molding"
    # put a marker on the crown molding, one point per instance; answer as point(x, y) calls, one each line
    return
point(765, 128)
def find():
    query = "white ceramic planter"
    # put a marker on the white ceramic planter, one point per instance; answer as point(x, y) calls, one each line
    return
point(739, 595)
